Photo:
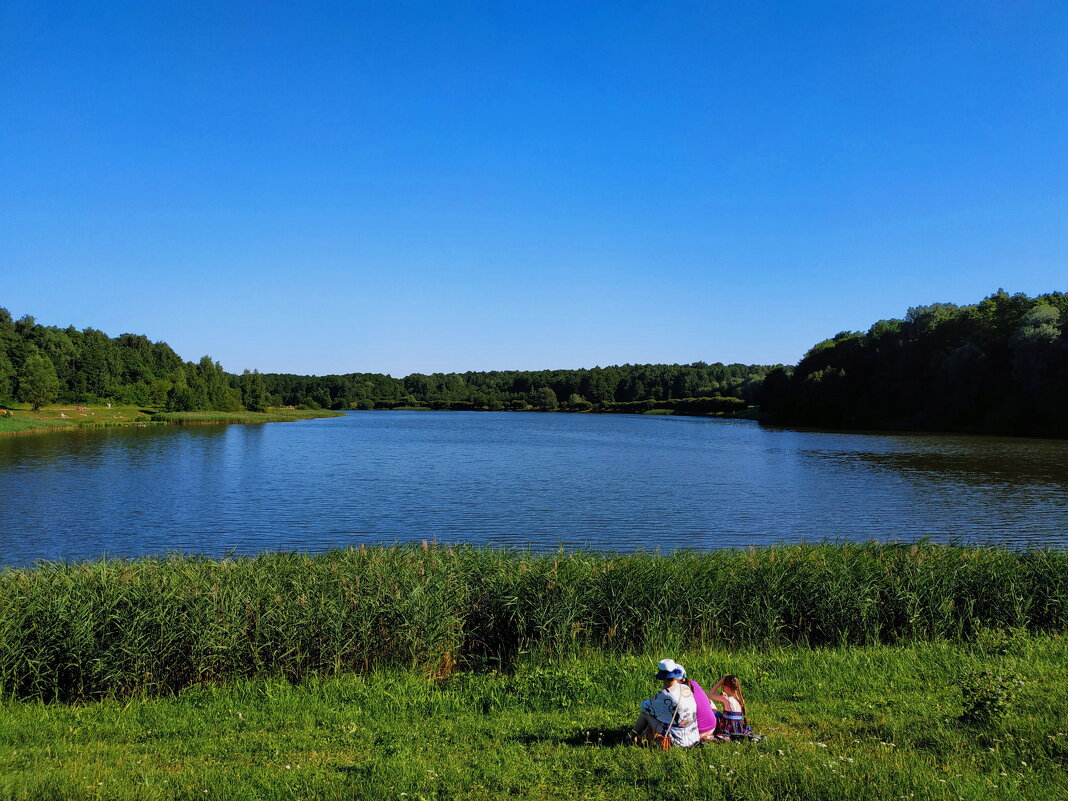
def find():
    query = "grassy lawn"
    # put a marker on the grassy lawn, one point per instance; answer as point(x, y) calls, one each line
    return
point(875, 722)
point(69, 416)
point(23, 420)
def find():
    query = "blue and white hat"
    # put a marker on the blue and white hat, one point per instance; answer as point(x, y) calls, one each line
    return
point(669, 669)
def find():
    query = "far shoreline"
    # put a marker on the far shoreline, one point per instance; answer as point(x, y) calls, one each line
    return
point(56, 419)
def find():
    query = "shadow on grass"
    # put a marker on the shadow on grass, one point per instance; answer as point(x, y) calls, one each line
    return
point(613, 738)
point(603, 738)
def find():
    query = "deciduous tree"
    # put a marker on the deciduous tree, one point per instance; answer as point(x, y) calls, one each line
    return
point(38, 383)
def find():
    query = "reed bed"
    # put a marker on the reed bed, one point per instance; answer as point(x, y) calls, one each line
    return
point(19, 424)
point(71, 631)
point(270, 416)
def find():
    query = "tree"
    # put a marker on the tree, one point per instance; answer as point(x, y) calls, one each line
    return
point(38, 383)
point(253, 391)
point(7, 372)
point(158, 391)
point(180, 398)
point(545, 398)
point(578, 403)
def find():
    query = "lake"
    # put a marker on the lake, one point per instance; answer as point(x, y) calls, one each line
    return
point(607, 482)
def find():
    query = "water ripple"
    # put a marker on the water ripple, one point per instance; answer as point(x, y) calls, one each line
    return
point(543, 481)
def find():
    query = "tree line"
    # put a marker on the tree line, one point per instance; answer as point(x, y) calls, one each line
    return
point(625, 387)
point(42, 364)
point(997, 366)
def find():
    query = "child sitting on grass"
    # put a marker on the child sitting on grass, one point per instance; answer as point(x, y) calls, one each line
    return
point(731, 722)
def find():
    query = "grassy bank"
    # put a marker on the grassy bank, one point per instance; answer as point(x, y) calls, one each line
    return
point(282, 415)
point(77, 631)
point(20, 420)
point(24, 420)
point(868, 723)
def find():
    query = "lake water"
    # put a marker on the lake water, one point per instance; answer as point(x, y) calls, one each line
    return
point(609, 482)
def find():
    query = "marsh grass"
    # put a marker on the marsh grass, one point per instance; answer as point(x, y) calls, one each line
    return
point(270, 416)
point(867, 723)
point(71, 631)
point(17, 424)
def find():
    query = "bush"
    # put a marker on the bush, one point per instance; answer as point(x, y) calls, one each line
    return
point(986, 697)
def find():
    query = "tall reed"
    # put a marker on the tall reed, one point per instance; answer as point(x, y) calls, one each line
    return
point(156, 625)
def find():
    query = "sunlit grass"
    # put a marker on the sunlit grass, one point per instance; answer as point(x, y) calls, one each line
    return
point(72, 416)
point(279, 415)
point(867, 723)
point(65, 416)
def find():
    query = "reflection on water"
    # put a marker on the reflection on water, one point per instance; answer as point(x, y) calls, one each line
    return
point(606, 482)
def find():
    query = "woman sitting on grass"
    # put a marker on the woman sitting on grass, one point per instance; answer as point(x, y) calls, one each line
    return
point(669, 718)
point(706, 713)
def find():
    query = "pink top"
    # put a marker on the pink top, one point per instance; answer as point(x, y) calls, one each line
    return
point(706, 717)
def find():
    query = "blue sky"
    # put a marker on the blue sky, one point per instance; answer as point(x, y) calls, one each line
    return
point(408, 186)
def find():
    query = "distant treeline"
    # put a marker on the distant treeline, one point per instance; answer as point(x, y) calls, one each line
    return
point(694, 388)
point(999, 366)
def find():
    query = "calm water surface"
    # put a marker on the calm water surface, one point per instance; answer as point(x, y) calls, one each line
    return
point(600, 481)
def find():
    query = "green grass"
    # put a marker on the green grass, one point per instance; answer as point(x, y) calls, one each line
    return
point(270, 416)
point(53, 418)
point(868, 723)
point(71, 416)
point(19, 424)
point(72, 631)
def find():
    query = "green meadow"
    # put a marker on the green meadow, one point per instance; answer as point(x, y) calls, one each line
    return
point(23, 420)
point(877, 671)
point(867, 722)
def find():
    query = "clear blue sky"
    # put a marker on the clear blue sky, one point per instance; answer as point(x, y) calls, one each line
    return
point(433, 186)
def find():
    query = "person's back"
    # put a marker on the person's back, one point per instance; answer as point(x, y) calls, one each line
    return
point(683, 733)
point(706, 716)
point(670, 716)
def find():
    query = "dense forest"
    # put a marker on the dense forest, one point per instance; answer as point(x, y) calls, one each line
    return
point(697, 387)
point(43, 364)
point(998, 366)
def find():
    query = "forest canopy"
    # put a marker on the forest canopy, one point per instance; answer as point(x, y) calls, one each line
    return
point(44, 364)
point(618, 388)
point(997, 366)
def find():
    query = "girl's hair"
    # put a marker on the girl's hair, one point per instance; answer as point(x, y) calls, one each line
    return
point(733, 683)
